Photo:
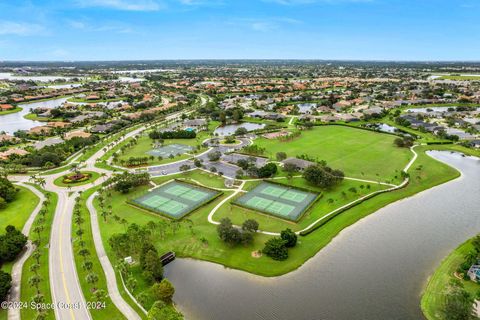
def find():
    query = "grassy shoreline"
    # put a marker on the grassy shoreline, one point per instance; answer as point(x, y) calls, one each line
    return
point(15, 110)
point(433, 294)
point(426, 173)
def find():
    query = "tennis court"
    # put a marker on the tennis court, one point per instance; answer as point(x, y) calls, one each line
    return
point(279, 200)
point(175, 199)
point(174, 149)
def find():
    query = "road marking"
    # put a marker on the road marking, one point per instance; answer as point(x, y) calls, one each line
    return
point(61, 258)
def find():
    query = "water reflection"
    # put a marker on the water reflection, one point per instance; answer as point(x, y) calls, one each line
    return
point(375, 269)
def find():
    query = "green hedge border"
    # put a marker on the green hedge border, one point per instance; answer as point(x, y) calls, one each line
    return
point(324, 221)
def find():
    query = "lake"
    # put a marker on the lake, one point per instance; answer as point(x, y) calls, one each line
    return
point(230, 129)
point(10, 76)
point(15, 121)
point(436, 109)
point(375, 269)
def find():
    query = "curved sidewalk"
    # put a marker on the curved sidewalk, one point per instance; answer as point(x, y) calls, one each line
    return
point(112, 286)
point(14, 295)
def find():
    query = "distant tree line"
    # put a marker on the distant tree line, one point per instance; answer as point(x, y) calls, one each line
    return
point(178, 134)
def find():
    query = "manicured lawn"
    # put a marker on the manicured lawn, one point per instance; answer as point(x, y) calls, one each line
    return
point(198, 176)
point(320, 208)
point(93, 176)
point(359, 153)
point(17, 212)
point(27, 291)
point(15, 110)
point(110, 311)
point(460, 78)
point(146, 144)
point(434, 294)
point(204, 244)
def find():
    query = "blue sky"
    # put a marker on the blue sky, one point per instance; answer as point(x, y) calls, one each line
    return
point(242, 29)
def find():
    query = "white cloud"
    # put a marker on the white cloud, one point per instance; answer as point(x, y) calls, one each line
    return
point(267, 24)
point(85, 25)
point(126, 5)
point(263, 26)
point(20, 28)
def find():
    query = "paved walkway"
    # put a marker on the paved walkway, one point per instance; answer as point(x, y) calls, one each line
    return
point(14, 295)
point(113, 290)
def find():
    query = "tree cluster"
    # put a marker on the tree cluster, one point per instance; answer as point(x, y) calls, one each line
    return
point(178, 134)
point(322, 176)
point(11, 244)
point(8, 192)
point(249, 165)
point(234, 236)
point(277, 247)
point(126, 181)
point(404, 142)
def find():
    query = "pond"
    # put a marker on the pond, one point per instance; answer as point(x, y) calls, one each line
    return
point(10, 76)
point(435, 109)
point(15, 121)
point(375, 269)
point(230, 129)
point(386, 128)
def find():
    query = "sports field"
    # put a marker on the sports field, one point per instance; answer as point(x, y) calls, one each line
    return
point(171, 149)
point(281, 201)
point(175, 199)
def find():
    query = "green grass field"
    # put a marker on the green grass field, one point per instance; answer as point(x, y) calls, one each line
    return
point(434, 294)
point(145, 144)
point(321, 207)
point(110, 311)
point(206, 245)
point(17, 212)
point(460, 78)
point(359, 153)
point(27, 291)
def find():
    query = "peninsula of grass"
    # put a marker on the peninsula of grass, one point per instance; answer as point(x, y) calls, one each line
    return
point(359, 153)
point(434, 294)
point(205, 244)
point(76, 179)
point(36, 117)
point(14, 110)
point(17, 212)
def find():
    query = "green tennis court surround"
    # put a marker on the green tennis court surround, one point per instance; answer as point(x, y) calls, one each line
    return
point(175, 199)
point(171, 149)
point(279, 200)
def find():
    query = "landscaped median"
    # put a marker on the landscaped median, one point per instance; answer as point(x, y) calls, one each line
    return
point(76, 179)
point(85, 276)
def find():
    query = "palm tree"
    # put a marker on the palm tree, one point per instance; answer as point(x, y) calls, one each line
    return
point(34, 281)
point(42, 182)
